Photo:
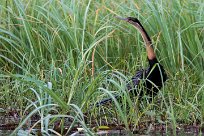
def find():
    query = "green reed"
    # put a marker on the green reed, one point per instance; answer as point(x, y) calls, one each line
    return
point(78, 46)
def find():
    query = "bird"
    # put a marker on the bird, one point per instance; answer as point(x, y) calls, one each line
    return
point(155, 76)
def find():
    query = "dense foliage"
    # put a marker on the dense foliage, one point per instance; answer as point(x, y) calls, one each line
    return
point(87, 54)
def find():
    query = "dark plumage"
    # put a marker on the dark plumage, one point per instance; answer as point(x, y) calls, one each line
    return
point(154, 76)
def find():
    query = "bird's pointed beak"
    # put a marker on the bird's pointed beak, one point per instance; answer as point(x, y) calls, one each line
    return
point(125, 19)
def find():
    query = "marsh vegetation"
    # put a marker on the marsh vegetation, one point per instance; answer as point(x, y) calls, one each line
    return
point(58, 58)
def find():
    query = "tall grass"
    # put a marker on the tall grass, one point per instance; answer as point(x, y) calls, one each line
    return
point(79, 47)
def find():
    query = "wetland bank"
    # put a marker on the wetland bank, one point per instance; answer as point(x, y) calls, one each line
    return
point(58, 58)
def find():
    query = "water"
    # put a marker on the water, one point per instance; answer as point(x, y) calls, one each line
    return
point(125, 133)
point(5, 132)
point(122, 133)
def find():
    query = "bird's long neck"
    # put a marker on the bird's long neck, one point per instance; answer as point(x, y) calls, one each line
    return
point(148, 43)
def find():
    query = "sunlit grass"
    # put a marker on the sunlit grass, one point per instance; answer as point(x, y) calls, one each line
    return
point(87, 55)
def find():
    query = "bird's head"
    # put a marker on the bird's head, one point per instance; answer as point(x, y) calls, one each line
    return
point(131, 20)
